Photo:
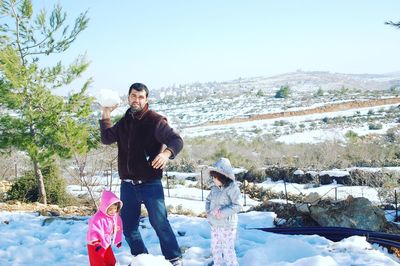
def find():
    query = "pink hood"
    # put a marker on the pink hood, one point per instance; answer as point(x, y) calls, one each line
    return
point(104, 228)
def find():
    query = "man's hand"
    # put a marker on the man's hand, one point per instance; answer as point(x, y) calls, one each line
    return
point(106, 111)
point(161, 159)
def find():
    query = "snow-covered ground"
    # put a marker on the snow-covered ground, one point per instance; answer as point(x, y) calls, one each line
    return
point(29, 239)
point(189, 118)
point(308, 135)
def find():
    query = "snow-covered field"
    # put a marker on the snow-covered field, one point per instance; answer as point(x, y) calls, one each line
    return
point(29, 239)
point(287, 135)
point(190, 117)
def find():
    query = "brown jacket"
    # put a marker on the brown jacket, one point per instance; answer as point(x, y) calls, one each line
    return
point(140, 138)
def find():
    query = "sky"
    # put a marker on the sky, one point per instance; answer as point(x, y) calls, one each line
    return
point(61, 242)
point(162, 43)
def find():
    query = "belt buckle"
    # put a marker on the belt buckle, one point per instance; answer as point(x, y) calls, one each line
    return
point(134, 182)
point(137, 182)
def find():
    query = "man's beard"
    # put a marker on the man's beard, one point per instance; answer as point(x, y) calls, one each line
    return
point(136, 108)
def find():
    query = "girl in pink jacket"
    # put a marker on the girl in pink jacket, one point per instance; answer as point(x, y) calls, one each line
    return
point(105, 229)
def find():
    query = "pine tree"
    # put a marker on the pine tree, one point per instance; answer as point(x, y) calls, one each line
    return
point(283, 92)
point(33, 119)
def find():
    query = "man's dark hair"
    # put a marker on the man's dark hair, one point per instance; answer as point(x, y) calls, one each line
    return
point(139, 87)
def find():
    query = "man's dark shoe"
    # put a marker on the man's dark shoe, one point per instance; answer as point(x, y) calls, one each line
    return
point(176, 262)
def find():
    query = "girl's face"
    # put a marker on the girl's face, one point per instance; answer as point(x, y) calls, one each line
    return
point(112, 210)
point(217, 182)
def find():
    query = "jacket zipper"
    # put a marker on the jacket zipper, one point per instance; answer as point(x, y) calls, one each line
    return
point(129, 148)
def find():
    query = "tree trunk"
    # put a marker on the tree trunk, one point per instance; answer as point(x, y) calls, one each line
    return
point(40, 182)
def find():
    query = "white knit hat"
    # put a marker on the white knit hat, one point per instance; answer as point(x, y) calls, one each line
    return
point(222, 166)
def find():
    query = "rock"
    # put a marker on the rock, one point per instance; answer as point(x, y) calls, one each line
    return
point(298, 172)
point(302, 207)
point(325, 179)
point(54, 213)
point(351, 213)
point(335, 176)
point(49, 220)
point(369, 178)
point(312, 198)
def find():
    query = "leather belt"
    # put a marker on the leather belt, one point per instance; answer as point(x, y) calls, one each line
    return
point(134, 182)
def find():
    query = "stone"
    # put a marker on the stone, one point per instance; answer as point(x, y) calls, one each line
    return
point(351, 213)
point(313, 198)
point(302, 207)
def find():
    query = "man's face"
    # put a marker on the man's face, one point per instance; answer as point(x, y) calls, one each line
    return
point(137, 100)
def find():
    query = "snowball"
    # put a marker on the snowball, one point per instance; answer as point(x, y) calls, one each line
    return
point(108, 98)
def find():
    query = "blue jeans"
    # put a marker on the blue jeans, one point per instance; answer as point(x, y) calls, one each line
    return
point(151, 194)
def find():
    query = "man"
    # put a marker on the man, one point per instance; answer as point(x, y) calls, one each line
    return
point(145, 144)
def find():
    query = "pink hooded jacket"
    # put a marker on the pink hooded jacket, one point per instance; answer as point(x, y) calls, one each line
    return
point(104, 228)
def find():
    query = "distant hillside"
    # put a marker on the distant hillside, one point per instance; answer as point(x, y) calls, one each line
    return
point(298, 81)
point(247, 99)
point(254, 98)
point(332, 107)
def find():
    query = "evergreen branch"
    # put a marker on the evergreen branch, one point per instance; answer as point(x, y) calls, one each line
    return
point(394, 24)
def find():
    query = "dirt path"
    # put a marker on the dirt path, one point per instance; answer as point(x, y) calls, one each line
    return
point(333, 107)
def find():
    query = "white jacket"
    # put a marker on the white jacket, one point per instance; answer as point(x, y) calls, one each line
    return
point(226, 199)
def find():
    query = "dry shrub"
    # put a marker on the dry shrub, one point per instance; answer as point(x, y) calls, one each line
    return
point(180, 210)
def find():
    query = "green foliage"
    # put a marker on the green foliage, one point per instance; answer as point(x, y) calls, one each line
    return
point(260, 93)
point(280, 123)
point(343, 91)
point(375, 126)
point(222, 152)
point(394, 24)
point(183, 164)
point(35, 120)
point(394, 89)
point(320, 92)
point(393, 135)
point(252, 175)
point(351, 135)
point(26, 189)
point(236, 159)
point(283, 92)
point(40, 35)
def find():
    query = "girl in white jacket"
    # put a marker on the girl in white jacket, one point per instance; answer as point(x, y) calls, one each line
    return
point(222, 206)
